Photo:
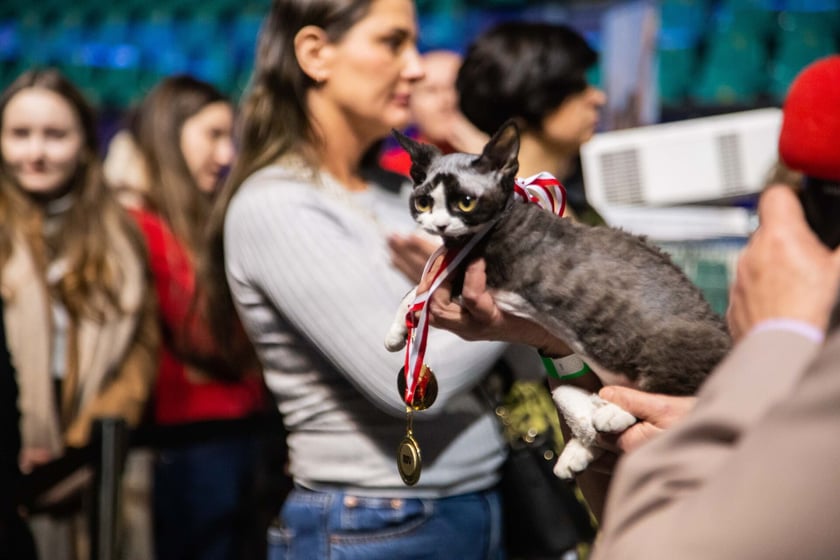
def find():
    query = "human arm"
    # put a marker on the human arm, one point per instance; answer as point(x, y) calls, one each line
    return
point(738, 477)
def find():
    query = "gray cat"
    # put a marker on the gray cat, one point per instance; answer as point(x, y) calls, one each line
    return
point(619, 302)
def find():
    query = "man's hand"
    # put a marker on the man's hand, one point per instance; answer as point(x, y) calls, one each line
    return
point(785, 272)
point(655, 413)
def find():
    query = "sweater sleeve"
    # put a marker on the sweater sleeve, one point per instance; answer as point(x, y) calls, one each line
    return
point(324, 267)
point(729, 481)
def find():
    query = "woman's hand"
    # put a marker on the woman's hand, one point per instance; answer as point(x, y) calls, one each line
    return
point(477, 317)
point(31, 457)
point(409, 254)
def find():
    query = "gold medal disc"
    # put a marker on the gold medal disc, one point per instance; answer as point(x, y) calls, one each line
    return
point(426, 391)
point(408, 460)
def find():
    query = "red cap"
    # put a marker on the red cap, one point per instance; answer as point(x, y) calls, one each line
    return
point(810, 137)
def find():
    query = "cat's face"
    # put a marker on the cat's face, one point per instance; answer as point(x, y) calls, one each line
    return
point(456, 194)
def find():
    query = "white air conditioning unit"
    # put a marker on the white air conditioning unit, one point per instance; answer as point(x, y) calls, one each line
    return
point(694, 161)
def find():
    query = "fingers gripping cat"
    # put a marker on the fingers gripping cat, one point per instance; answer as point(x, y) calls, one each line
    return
point(618, 301)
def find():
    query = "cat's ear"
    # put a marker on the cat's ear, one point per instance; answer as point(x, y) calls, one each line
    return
point(502, 151)
point(422, 155)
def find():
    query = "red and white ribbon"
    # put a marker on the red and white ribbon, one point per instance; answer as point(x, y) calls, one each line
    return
point(544, 190)
point(418, 329)
point(541, 189)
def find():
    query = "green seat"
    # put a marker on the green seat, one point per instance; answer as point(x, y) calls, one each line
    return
point(9, 71)
point(733, 72)
point(676, 71)
point(794, 53)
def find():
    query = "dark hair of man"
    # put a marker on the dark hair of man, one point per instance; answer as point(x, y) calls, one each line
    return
point(522, 70)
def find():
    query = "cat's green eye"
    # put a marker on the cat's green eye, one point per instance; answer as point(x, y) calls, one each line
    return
point(423, 203)
point(467, 204)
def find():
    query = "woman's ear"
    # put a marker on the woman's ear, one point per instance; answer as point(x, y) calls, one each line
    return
point(313, 48)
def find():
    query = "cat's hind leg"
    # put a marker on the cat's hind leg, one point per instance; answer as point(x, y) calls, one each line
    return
point(575, 458)
point(578, 408)
point(611, 418)
point(396, 338)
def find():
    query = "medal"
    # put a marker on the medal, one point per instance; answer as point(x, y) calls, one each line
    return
point(426, 390)
point(416, 382)
point(408, 455)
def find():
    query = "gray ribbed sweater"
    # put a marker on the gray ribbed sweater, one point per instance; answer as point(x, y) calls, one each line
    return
point(310, 274)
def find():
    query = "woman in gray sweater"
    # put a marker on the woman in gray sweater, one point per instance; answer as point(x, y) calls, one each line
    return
point(301, 237)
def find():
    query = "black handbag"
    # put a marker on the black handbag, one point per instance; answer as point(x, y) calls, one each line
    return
point(544, 516)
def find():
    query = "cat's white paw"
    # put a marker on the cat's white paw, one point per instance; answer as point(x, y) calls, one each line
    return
point(577, 407)
point(574, 459)
point(396, 337)
point(611, 418)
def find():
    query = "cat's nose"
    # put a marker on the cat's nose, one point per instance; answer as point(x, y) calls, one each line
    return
point(441, 229)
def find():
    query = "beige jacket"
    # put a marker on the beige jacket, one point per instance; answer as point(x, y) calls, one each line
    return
point(111, 365)
point(110, 370)
point(752, 474)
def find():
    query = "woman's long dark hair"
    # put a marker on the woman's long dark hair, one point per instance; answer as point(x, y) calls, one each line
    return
point(156, 126)
point(274, 117)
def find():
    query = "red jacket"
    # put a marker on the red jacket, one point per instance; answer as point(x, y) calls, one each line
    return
point(182, 393)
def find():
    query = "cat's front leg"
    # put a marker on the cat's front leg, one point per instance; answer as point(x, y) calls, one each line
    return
point(396, 337)
point(578, 408)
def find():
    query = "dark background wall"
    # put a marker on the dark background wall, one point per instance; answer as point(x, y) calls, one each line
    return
point(714, 55)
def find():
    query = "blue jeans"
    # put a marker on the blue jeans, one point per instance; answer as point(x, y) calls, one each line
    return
point(338, 526)
point(198, 494)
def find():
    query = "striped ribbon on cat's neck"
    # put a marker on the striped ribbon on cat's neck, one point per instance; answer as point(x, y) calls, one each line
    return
point(542, 189)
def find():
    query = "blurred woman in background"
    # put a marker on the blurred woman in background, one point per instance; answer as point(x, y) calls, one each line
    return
point(167, 168)
point(79, 311)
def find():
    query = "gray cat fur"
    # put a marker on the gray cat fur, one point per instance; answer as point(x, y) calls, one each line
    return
point(613, 297)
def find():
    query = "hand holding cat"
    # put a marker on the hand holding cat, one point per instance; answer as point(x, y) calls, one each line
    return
point(655, 413)
point(476, 316)
point(785, 272)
